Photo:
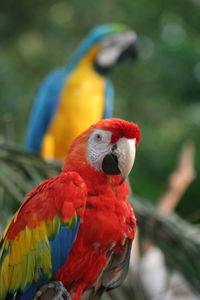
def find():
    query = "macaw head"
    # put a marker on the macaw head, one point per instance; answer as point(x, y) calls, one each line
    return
point(111, 43)
point(106, 148)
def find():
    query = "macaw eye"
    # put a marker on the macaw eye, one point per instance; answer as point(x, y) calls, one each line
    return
point(98, 137)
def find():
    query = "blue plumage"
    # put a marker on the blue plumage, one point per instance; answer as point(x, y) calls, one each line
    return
point(109, 96)
point(61, 246)
point(60, 249)
point(29, 292)
point(43, 110)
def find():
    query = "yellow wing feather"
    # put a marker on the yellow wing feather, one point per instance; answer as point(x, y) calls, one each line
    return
point(28, 248)
point(28, 253)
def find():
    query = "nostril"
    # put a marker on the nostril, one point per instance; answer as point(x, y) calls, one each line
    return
point(114, 148)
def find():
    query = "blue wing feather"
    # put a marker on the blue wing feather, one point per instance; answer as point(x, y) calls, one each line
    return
point(43, 110)
point(28, 293)
point(61, 246)
point(60, 249)
point(109, 100)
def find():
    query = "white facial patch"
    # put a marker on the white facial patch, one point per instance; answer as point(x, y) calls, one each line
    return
point(98, 147)
point(113, 46)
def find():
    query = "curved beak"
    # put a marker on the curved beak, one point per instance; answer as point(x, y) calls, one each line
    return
point(125, 152)
point(120, 159)
point(116, 48)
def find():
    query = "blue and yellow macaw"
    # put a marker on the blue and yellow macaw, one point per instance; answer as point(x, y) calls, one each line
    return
point(70, 100)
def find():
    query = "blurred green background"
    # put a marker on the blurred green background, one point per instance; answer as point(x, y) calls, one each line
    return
point(161, 92)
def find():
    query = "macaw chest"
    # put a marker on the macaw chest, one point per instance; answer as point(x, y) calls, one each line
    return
point(81, 104)
point(83, 91)
point(107, 227)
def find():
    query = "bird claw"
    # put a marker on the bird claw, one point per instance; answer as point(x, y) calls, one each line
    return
point(53, 291)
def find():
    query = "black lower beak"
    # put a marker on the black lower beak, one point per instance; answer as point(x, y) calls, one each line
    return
point(110, 164)
point(130, 52)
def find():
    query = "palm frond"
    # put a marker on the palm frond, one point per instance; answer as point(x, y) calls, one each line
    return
point(178, 239)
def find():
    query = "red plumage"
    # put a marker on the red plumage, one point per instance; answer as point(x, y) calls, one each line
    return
point(95, 255)
point(48, 200)
point(121, 128)
point(108, 219)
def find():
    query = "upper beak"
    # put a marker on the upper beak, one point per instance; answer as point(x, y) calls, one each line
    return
point(125, 153)
point(121, 158)
point(124, 46)
point(129, 47)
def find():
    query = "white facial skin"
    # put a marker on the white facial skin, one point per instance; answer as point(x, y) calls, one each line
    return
point(113, 46)
point(99, 144)
point(98, 147)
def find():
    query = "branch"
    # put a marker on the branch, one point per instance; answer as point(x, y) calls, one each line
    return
point(179, 180)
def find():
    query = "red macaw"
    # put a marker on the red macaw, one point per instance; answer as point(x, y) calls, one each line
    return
point(75, 229)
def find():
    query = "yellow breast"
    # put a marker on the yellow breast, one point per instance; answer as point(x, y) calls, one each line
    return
point(81, 104)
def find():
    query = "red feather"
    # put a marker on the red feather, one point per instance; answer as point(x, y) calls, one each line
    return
point(108, 219)
point(120, 128)
point(108, 223)
point(48, 200)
